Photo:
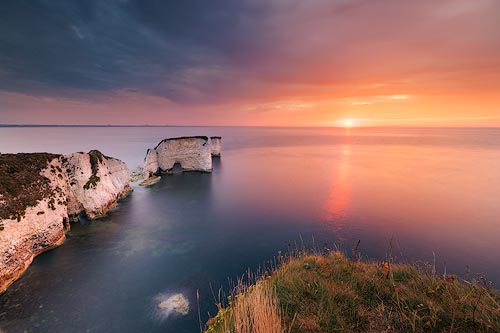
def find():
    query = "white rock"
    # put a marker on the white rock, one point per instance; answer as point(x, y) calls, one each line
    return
point(96, 182)
point(175, 303)
point(150, 163)
point(192, 153)
point(215, 143)
point(42, 226)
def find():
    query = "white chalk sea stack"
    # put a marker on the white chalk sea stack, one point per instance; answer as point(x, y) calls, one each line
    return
point(193, 153)
point(40, 193)
point(216, 143)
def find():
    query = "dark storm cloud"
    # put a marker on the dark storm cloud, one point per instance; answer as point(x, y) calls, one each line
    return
point(187, 51)
point(76, 47)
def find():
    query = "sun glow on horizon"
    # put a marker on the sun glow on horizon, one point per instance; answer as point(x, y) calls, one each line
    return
point(347, 123)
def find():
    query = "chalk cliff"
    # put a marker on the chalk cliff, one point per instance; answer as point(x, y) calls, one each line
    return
point(215, 142)
point(192, 153)
point(40, 192)
point(96, 182)
point(151, 163)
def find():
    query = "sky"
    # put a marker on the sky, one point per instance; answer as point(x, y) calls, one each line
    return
point(250, 62)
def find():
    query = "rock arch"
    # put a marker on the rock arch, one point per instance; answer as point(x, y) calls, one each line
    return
point(193, 153)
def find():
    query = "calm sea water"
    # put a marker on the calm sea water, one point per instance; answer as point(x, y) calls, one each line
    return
point(434, 192)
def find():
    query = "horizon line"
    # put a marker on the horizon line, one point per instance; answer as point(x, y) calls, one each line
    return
point(269, 126)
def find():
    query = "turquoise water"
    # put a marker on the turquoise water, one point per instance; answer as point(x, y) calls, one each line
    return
point(434, 192)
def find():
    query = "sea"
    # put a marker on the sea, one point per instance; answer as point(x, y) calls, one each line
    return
point(424, 196)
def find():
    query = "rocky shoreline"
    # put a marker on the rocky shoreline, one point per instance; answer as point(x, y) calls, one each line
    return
point(41, 193)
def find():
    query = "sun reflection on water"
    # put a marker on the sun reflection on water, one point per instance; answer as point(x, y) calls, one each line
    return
point(338, 202)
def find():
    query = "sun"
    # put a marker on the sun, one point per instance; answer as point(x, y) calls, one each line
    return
point(347, 123)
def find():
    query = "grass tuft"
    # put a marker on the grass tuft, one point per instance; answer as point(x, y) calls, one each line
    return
point(331, 293)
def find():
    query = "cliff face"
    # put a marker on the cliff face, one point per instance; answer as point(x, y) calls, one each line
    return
point(215, 143)
point(151, 163)
point(192, 153)
point(96, 182)
point(28, 231)
point(38, 194)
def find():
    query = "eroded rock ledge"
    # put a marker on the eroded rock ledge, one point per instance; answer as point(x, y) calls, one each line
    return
point(40, 193)
point(193, 153)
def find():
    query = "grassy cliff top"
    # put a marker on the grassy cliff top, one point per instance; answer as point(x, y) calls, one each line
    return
point(182, 138)
point(330, 293)
point(21, 184)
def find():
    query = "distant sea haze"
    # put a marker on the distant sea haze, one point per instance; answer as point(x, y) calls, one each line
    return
point(432, 191)
point(83, 125)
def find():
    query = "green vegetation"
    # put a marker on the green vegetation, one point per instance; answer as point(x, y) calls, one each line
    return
point(96, 157)
point(92, 182)
point(331, 293)
point(21, 184)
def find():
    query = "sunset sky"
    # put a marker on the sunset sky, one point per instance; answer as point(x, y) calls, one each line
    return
point(251, 62)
